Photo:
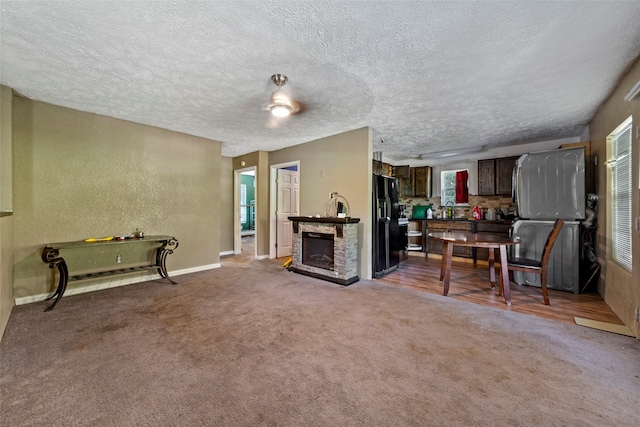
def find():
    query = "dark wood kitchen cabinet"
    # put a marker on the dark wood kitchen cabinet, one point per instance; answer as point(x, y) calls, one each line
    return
point(422, 180)
point(414, 181)
point(494, 176)
point(494, 227)
point(435, 245)
point(405, 181)
point(486, 177)
point(504, 171)
point(380, 168)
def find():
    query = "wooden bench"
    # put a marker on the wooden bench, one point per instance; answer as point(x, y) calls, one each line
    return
point(162, 245)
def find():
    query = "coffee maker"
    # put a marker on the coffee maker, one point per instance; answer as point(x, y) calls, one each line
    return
point(401, 209)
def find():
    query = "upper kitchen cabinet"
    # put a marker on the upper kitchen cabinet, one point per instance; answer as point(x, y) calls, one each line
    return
point(494, 176)
point(486, 177)
point(422, 179)
point(380, 168)
point(414, 181)
point(405, 181)
point(504, 173)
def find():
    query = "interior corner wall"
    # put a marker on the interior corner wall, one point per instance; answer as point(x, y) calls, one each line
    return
point(80, 175)
point(6, 207)
point(341, 163)
point(620, 289)
point(259, 159)
point(226, 205)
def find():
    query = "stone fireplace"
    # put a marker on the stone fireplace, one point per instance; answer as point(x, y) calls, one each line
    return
point(326, 248)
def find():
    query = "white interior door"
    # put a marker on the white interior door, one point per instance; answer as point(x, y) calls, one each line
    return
point(288, 188)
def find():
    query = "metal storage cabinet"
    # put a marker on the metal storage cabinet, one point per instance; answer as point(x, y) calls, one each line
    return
point(564, 265)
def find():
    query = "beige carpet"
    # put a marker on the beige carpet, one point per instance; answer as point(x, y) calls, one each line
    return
point(256, 345)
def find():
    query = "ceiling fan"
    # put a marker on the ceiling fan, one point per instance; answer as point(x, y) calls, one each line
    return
point(281, 105)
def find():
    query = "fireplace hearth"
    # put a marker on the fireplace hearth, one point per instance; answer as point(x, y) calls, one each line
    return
point(326, 248)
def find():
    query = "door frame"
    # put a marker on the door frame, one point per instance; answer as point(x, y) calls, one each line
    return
point(273, 202)
point(237, 226)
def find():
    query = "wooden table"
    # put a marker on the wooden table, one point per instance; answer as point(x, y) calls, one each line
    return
point(476, 240)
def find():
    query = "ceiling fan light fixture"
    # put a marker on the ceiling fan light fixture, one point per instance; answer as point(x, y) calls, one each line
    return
point(280, 110)
point(280, 104)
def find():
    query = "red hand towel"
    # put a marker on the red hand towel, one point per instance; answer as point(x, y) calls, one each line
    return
point(462, 191)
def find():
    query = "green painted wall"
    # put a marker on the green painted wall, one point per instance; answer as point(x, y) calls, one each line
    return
point(248, 181)
point(80, 175)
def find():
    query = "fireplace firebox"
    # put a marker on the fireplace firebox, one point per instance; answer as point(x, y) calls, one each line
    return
point(317, 250)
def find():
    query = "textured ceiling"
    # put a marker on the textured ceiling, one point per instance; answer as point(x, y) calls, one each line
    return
point(426, 76)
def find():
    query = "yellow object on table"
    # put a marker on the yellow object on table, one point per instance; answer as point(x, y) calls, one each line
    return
point(104, 239)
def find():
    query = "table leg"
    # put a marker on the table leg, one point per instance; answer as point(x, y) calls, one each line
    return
point(492, 267)
point(504, 274)
point(161, 258)
point(443, 261)
point(52, 256)
point(447, 254)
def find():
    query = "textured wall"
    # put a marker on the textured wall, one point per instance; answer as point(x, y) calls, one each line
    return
point(260, 160)
point(79, 175)
point(226, 205)
point(620, 289)
point(339, 163)
point(6, 220)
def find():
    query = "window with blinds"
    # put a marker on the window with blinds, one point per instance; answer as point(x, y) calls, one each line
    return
point(448, 187)
point(620, 189)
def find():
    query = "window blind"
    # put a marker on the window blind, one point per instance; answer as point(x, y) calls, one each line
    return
point(448, 187)
point(620, 193)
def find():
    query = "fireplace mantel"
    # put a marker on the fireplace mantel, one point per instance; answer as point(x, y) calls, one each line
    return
point(345, 249)
point(325, 219)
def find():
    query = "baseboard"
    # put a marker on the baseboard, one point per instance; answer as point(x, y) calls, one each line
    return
point(194, 269)
point(114, 283)
point(225, 253)
point(262, 257)
point(604, 326)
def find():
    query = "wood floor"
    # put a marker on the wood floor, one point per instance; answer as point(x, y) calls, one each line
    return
point(470, 283)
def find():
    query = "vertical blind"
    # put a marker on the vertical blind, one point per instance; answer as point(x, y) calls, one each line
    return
point(620, 193)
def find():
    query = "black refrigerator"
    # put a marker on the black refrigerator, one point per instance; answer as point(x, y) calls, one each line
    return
point(386, 233)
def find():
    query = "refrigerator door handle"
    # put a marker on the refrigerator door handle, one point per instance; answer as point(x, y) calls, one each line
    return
point(387, 212)
point(514, 183)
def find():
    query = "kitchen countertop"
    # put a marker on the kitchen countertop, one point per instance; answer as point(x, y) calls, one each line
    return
point(500, 221)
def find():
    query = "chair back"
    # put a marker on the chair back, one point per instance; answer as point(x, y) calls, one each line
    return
point(555, 232)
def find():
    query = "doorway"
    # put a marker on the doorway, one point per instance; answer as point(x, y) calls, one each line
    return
point(245, 208)
point(285, 196)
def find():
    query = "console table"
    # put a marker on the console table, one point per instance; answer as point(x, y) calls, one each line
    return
point(164, 245)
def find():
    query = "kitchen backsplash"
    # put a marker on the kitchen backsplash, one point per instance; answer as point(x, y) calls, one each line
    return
point(484, 202)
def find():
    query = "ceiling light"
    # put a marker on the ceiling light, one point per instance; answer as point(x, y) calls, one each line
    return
point(451, 153)
point(281, 105)
point(633, 93)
